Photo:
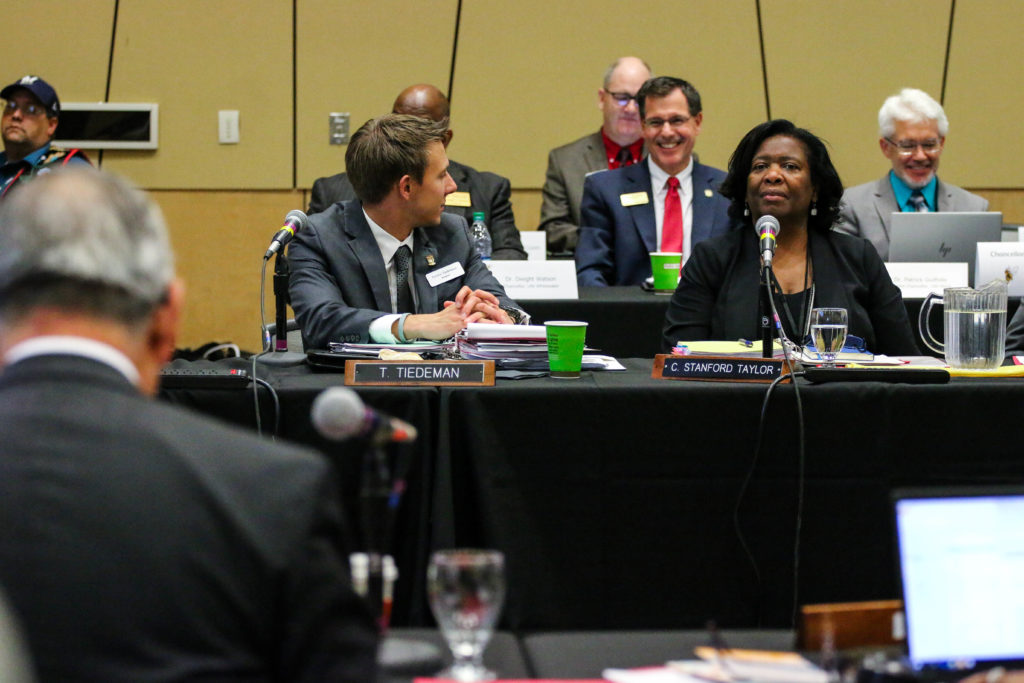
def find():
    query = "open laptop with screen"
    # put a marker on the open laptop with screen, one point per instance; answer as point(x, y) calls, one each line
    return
point(942, 237)
point(961, 561)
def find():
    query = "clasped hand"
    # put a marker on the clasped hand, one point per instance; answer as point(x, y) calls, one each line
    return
point(469, 306)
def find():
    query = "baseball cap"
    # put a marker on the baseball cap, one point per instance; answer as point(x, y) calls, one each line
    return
point(43, 91)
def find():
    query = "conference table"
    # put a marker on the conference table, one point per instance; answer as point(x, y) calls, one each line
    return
point(616, 496)
point(626, 322)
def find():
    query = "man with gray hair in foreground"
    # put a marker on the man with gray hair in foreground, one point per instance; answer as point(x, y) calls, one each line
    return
point(912, 131)
point(141, 542)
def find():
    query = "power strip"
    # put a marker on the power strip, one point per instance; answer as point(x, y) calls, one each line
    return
point(203, 378)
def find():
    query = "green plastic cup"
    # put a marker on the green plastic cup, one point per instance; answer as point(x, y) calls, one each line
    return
point(566, 339)
point(665, 266)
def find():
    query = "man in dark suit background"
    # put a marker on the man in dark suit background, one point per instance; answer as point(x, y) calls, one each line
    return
point(474, 190)
point(619, 142)
point(628, 213)
point(142, 542)
point(392, 266)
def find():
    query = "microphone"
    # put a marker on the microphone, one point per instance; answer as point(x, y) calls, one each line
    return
point(339, 414)
point(767, 228)
point(293, 222)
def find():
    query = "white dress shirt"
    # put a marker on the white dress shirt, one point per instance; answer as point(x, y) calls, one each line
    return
point(659, 180)
point(67, 345)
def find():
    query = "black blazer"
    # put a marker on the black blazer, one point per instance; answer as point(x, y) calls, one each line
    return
point(144, 543)
point(488, 192)
point(717, 297)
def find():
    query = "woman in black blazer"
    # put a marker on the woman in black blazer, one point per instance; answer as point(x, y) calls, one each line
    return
point(785, 171)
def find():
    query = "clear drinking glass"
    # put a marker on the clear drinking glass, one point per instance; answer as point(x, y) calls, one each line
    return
point(466, 589)
point(828, 329)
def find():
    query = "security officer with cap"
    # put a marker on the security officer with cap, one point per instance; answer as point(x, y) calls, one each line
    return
point(28, 123)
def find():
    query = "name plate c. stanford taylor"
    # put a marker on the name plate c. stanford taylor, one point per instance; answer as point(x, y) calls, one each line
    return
point(442, 373)
point(717, 368)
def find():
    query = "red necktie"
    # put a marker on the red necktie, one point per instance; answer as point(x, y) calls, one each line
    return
point(672, 224)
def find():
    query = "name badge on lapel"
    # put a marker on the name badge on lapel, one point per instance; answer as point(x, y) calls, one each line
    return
point(441, 275)
point(458, 199)
point(634, 198)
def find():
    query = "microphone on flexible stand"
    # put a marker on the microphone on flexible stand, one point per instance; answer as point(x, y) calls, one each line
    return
point(293, 223)
point(339, 414)
point(767, 228)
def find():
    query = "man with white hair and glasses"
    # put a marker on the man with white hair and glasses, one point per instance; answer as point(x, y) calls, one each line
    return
point(912, 131)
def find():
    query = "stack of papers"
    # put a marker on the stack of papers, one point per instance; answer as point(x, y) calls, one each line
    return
point(490, 341)
point(518, 347)
point(754, 666)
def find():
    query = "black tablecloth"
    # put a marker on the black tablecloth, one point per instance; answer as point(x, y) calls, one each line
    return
point(613, 495)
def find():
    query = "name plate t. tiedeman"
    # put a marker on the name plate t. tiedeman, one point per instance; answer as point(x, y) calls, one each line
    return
point(445, 373)
point(717, 368)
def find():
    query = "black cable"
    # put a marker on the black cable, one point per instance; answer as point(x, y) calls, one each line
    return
point(277, 404)
point(265, 339)
point(801, 466)
point(743, 492)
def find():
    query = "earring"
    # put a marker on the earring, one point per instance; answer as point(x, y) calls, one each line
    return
point(746, 209)
point(814, 208)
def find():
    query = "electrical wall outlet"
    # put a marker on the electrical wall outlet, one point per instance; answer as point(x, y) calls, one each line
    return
point(227, 129)
point(338, 127)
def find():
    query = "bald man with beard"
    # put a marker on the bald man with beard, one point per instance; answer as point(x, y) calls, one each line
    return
point(475, 190)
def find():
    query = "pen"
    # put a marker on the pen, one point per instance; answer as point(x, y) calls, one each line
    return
point(746, 342)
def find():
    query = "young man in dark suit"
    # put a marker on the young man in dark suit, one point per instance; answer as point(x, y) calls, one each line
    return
point(475, 190)
point(392, 266)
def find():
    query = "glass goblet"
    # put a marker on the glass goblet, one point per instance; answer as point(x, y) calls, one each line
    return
point(828, 328)
point(466, 589)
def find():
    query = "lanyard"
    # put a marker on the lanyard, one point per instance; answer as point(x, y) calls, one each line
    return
point(806, 305)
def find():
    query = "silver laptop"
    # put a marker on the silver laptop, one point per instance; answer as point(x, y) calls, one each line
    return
point(961, 560)
point(946, 236)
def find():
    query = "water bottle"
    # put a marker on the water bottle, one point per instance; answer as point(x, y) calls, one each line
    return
point(481, 236)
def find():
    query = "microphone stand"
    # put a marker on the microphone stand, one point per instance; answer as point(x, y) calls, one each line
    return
point(766, 311)
point(281, 356)
point(379, 495)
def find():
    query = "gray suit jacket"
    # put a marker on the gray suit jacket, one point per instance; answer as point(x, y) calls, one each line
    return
point(867, 209)
point(488, 192)
point(568, 165)
point(339, 282)
point(146, 543)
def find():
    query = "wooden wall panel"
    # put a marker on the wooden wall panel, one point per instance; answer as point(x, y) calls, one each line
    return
point(984, 95)
point(356, 56)
point(67, 42)
point(195, 57)
point(222, 271)
point(831, 65)
point(532, 85)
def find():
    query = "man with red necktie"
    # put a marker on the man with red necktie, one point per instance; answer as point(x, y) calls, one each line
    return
point(668, 202)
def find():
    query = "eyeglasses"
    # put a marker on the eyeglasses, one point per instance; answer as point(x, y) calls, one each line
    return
point(621, 98)
point(26, 109)
point(908, 147)
point(676, 122)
